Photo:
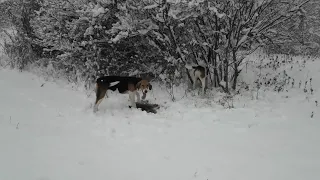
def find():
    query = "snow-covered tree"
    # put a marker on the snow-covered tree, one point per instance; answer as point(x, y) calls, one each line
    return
point(70, 33)
point(250, 24)
point(20, 48)
point(298, 35)
point(95, 37)
point(219, 33)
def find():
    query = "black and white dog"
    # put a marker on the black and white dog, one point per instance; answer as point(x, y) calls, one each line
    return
point(197, 72)
point(131, 85)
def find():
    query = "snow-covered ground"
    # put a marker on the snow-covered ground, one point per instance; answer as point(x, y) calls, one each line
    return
point(49, 132)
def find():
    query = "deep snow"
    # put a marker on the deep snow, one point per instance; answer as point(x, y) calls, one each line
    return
point(49, 132)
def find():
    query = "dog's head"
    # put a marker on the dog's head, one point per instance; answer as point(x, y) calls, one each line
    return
point(144, 86)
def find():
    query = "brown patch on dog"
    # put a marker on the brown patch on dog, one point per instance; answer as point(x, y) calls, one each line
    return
point(144, 85)
point(98, 102)
point(131, 87)
point(97, 86)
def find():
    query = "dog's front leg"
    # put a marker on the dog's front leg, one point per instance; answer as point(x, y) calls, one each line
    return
point(138, 96)
point(132, 97)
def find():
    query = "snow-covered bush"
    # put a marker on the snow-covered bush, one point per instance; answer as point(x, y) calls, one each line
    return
point(298, 35)
point(218, 34)
point(18, 31)
point(86, 39)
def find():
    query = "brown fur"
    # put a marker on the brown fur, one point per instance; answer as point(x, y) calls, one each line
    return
point(101, 91)
point(143, 85)
point(131, 87)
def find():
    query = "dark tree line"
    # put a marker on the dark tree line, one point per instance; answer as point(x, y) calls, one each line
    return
point(83, 39)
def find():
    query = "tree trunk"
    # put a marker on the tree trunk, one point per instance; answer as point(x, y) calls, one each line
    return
point(215, 54)
point(215, 71)
point(226, 68)
point(210, 59)
point(236, 70)
point(221, 69)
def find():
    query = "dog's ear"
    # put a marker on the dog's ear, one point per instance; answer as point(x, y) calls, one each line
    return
point(138, 85)
point(150, 86)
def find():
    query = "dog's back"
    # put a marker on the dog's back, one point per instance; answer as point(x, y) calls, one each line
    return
point(123, 84)
point(117, 82)
point(200, 69)
point(195, 72)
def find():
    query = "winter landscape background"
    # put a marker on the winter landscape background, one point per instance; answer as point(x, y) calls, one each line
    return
point(259, 118)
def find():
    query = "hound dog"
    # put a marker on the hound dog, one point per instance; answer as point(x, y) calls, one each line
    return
point(131, 85)
point(197, 72)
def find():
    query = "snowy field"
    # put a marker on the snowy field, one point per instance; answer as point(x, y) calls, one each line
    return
point(49, 132)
